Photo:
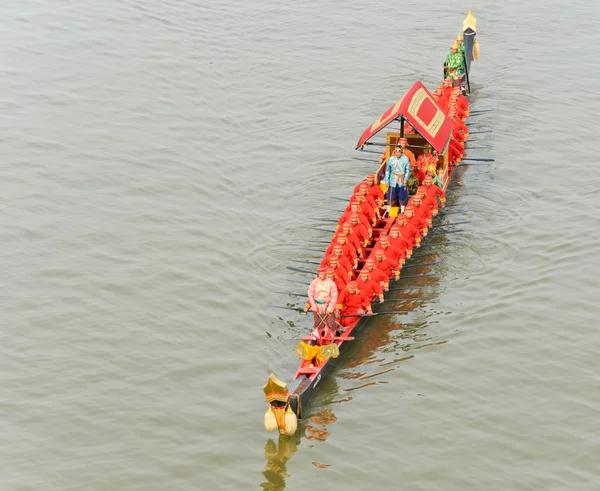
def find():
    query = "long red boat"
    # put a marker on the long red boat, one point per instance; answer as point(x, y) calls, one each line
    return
point(425, 123)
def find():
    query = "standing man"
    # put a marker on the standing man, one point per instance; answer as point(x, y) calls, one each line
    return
point(454, 64)
point(397, 173)
point(322, 298)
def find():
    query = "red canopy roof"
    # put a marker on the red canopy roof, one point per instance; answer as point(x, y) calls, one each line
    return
point(422, 112)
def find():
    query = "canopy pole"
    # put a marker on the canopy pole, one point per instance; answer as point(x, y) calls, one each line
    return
point(401, 126)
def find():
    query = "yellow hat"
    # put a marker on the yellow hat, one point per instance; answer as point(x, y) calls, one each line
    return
point(455, 46)
point(459, 37)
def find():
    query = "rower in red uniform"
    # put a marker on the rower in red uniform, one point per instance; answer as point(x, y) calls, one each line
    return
point(427, 201)
point(462, 102)
point(360, 230)
point(352, 302)
point(340, 284)
point(352, 238)
point(370, 287)
point(416, 222)
point(347, 217)
point(420, 211)
point(348, 250)
point(447, 88)
point(433, 191)
point(409, 231)
point(373, 189)
point(455, 152)
point(386, 264)
point(459, 125)
point(392, 252)
point(365, 208)
point(341, 273)
point(377, 275)
point(402, 243)
point(343, 260)
point(363, 190)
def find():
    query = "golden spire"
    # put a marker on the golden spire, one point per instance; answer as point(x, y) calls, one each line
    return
point(470, 22)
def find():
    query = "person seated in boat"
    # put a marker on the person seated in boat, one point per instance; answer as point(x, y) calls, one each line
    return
point(396, 239)
point(416, 222)
point(455, 152)
point(339, 282)
point(360, 230)
point(343, 260)
point(459, 125)
point(396, 176)
point(452, 107)
point(372, 188)
point(403, 142)
point(352, 302)
point(454, 65)
point(447, 88)
point(433, 191)
point(461, 101)
point(376, 191)
point(352, 238)
point(422, 213)
point(386, 264)
point(408, 231)
point(394, 253)
point(322, 300)
point(341, 273)
point(441, 99)
point(372, 289)
point(356, 210)
point(348, 249)
point(364, 192)
point(377, 275)
point(365, 208)
point(429, 202)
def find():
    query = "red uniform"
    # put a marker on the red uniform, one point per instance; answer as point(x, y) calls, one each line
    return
point(418, 221)
point(341, 275)
point(409, 231)
point(433, 191)
point(339, 283)
point(379, 276)
point(342, 261)
point(402, 243)
point(348, 251)
point(351, 238)
point(363, 190)
point(363, 220)
point(387, 265)
point(460, 126)
point(455, 151)
point(394, 253)
point(370, 287)
point(367, 210)
point(374, 190)
point(423, 211)
point(352, 303)
point(463, 103)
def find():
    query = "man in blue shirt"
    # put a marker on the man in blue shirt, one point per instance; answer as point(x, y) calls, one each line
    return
point(397, 173)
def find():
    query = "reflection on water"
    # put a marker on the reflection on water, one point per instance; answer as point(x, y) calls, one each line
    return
point(278, 454)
